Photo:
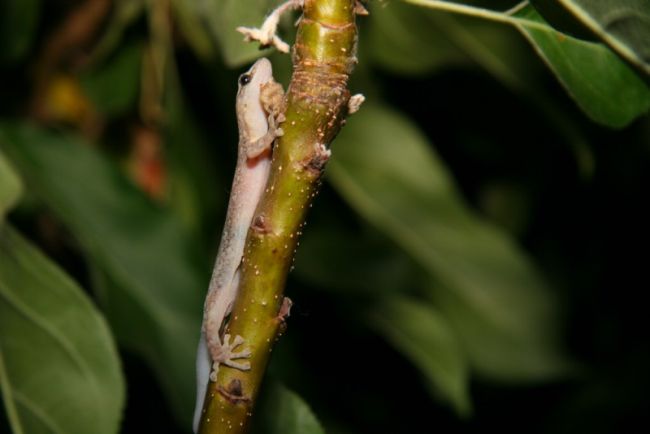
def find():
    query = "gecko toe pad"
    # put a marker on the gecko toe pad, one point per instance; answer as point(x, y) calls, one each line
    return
point(228, 356)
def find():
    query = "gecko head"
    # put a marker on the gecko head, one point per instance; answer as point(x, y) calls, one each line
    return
point(255, 77)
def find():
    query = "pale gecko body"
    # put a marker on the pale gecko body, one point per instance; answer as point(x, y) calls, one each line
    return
point(258, 102)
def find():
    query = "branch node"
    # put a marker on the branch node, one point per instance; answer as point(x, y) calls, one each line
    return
point(360, 9)
point(285, 309)
point(234, 393)
point(316, 161)
point(260, 225)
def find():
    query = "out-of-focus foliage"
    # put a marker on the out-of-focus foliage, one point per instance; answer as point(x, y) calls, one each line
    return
point(59, 370)
point(10, 187)
point(284, 412)
point(426, 338)
point(153, 294)
point(18, 21)
point(624, 25)
point(501, 307)
point(603, 85)
point(464, 269)
point(99, 84)
point(220, 26)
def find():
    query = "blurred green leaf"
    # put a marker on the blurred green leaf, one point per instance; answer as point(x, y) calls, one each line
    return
point(507, 204)
point(194, 189)
point(385, 169)
point(604, 87)
point(191, 24)
point(10, 187)
point(624, 25)
point(18, 21)
point(59, 368)
point(282, 411)
point(408, 40)
point(224, 16)
point(142, 249)
point(114, 86)
point(125, 13)
point(404, 39)
point(504, 345)
point(339, 261)
point(425, 337)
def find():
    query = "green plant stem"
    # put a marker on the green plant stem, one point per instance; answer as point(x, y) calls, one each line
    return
point(316, 107)
point(473, 11)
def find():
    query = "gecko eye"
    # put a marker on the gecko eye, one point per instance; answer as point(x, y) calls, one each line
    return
point(244, 79)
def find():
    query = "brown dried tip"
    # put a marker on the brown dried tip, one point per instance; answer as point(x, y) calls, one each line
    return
point(360, 9)
point(285, 309)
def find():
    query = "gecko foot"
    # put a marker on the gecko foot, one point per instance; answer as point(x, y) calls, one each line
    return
point(227, 356)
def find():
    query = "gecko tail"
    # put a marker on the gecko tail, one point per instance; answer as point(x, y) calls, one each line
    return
point(203, 367)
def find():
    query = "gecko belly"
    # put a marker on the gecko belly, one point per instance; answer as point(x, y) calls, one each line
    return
point(203, 366)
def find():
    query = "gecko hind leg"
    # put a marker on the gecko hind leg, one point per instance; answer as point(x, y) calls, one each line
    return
point(227, 356)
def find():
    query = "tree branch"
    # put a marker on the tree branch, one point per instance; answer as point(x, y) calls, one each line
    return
point(316, 108)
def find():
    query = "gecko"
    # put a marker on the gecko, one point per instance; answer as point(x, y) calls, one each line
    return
point(259, 98)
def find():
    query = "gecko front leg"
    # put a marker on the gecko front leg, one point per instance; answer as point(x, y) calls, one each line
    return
point(272, 101)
